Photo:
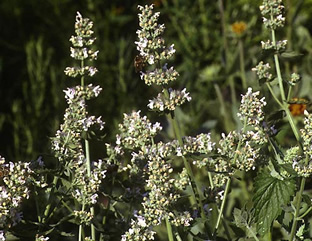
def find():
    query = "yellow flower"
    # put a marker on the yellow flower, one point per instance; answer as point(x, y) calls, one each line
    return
point(239, 27)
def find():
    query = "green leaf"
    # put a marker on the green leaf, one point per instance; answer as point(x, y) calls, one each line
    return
point(306, 199)
point(300, 232)
point(291, 55)
point(240, 218)
point(269, 197)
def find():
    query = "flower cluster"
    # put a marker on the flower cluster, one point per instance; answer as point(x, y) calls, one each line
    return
point(136, 137)
point(262, 70)
point(157, 205)
point(139, 230)
point(242, 150)
point(302, 164)
point(294, 79)
point(151, 44)
point(200, 144)
point(80, 50)
point(67, 142)
point(15, 178)
point(279, 45)
point(251, 108)
point(83, 217)
point(163, 103)
point(137, 131)
point(85, 188)
point(271, 11)
point(160, 76)
point(152, 49)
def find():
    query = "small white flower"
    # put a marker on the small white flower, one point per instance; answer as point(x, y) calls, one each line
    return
point(151, 59)
point(141, 221)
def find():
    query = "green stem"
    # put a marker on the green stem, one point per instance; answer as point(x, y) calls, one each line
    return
point(210, 180)
point(297, 207)
point(242, 63)
point(252, 233)
point(178, 236)
point(228, 183)
point(296, 133)
point(47, 210)
point(80, 233)
point(289, 93)
point(282, 92)
point(223, 24)
point(37, 205)
point(305, 213)
point(227, 188)
point(169, 230)
point(93, 235)
point(274, 95)
point(195, 189)
point(87, 152)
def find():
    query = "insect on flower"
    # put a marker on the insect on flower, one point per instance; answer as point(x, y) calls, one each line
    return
point(139, 63)
point(297, 106)
point(4, 171)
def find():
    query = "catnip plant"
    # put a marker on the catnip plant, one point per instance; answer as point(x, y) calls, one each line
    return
point(74, 157)
point(236, 151)
point(149, 187)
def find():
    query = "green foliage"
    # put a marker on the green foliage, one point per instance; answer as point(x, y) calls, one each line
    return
point(271, 194)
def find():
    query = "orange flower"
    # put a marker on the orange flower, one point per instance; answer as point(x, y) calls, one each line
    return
point(239, 27)
point(297, 106)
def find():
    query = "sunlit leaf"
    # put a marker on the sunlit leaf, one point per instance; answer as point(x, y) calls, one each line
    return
point(269, 197)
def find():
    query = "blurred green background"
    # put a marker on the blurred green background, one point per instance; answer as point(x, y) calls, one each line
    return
point(34, 51)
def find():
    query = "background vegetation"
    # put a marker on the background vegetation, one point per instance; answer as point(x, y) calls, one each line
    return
point(34, 51)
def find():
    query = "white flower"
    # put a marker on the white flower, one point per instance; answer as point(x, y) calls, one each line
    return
point(141, 221)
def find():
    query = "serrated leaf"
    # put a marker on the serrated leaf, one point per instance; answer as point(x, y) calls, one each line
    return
point(300, 232)
point(240, 218)
point(269, 197)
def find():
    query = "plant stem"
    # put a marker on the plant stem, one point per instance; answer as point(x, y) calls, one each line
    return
point(47, 210)
point(169, 230)
point(194, 186)
point(227, 187)
point(242, 63)
point(228, 183)
point(87, 153)
point(274, 95)
point(282, 92)
point(296, 133)
point(252, 233)
point(296, 214)
point(89, 175)
point(298, 203)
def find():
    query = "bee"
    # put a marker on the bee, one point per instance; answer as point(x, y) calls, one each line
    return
point(139, 63)
point(297, 106)
point(4, 171)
